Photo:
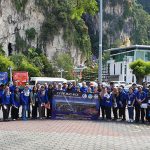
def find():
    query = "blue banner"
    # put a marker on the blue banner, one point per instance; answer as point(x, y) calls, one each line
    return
point(75, 105)
point(3, 77)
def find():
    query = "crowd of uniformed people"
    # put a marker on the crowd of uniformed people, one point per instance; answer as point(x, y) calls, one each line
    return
point(114, 101)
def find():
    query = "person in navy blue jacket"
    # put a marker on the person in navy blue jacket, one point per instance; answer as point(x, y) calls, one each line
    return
point(16, 100)
point(25, 101)
point(115, 101)
point(131, 97)
point(1, 93)
point(122, 104)
point(42, 100)
point(6, 102)
point(107, 98)
point(140, 98)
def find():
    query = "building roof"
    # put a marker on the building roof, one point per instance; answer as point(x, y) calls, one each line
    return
point(133, 47)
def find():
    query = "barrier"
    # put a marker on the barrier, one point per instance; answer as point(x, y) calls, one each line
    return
point(75, 105)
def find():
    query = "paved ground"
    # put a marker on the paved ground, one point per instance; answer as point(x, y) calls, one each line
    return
point(73, 135)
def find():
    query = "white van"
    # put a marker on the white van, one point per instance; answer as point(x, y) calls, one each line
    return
point(118, 83)
point(48, 80)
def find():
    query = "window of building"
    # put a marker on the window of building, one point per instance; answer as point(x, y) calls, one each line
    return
point(125, 78)
point(108, 69)
point(114, 69)
point(125, 69)
point(121, 68)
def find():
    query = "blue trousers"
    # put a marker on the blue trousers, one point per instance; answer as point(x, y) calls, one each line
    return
point(24, 111)
point(131, 112)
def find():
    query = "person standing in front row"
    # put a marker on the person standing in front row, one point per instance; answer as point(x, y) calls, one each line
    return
point(140, 98)
point(16, 99)
point(34, 102)
point(25, 101)
point(42, 100)
point(115, 102)
point(6, 101)
point(131, 97)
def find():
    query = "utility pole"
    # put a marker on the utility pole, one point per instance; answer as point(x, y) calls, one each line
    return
point(100, 41)
point(10, 69)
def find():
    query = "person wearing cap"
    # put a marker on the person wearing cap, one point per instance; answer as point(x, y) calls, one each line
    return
point(42, 100)
point(25, 101)
point(6, 102)
point(64, 87)
point(131, 97)
point(140, 99)
point(84, 88)
point(145, 88)
point(16, 101)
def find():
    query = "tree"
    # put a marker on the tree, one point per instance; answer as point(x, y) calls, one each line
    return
point(5, 63)
point(65, 62)
point(140, 69)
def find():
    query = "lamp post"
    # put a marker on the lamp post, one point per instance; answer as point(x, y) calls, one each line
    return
point(100, 41)
point(10, 69)
point(61, 72)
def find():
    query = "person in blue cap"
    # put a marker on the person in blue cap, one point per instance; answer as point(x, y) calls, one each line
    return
point(25, 101)
point(140, 99)
point(16, 100)
point(131, 97)
point(6, 102)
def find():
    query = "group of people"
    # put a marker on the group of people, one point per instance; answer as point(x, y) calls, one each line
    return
point(37, 102)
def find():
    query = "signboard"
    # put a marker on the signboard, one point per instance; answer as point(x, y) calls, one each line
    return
point(75, 105)
point(3, 77)
point(21, 77)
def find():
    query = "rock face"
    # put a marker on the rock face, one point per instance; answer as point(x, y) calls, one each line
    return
point(14, 23)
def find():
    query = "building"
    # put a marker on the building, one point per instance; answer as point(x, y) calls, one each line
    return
point(120, 58)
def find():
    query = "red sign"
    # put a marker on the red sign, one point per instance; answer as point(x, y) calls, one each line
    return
point(21, 77)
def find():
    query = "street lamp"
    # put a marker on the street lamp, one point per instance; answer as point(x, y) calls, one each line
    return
point(100, 41)
point(61, 72)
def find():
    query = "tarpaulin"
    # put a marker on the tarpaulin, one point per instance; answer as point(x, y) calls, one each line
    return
point(75, 105)
point(3, 77)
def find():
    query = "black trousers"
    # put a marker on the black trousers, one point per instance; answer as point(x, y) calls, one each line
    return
point(5, 109)
point(108, 112)
point(14, 112)
point(139, 114)
point(34, 110)
point(115, 112)
point(122, 113)
point(103, 112)
point(148, 114)
point(29, 111)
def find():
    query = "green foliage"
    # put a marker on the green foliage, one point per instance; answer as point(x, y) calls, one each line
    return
point(31, 33)
point(20, 4)
point(106, 57)
point(64, 15)
point(65, 62)
point(140, 69)
point(141, 33)
point(5, 63)
point(90, 73)
point(30, 68)
point(2, 52)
